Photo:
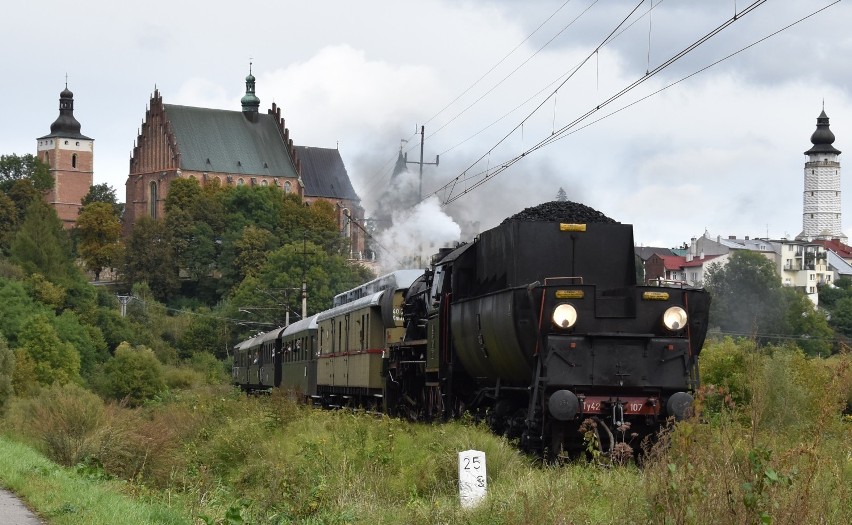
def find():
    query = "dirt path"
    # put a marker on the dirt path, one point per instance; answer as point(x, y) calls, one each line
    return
point(14, 512)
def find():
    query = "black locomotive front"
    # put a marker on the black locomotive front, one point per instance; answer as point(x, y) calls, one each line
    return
point(548, 322)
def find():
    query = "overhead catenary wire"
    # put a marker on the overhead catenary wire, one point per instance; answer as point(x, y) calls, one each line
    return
point(379, 177)
point(506, 164)
point(540, 91)
point(558, 134)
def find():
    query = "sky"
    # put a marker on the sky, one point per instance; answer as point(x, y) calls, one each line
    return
point(692, 148)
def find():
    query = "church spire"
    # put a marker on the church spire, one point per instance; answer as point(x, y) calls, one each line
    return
point(65, 124)
point(250, 101)
point(823, 138)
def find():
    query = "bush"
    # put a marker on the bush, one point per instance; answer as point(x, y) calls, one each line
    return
point(64, 420)
point(133, 375)
point(7, 366)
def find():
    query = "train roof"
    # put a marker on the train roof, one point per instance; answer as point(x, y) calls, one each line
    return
point(370, 300)
point(393, 280)
point(303, 324)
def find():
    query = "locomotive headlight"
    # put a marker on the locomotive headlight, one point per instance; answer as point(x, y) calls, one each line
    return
point(674, 318)
point(564, 316)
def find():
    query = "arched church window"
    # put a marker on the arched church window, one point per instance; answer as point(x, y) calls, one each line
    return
point(46, 157)
point(74, 160)
point(240, 182)
point(264, 182)
point(287, 187)
point(347, 223)
point(152, 200)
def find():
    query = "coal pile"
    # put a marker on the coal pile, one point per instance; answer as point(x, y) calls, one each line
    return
point(561, 211)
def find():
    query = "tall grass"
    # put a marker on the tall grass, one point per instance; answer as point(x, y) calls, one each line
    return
point(771, 445)
point(62, 496)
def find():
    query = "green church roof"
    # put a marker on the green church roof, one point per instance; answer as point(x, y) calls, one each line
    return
point(218, 140)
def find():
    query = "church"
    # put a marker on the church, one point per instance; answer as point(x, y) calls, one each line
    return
point(232, 147)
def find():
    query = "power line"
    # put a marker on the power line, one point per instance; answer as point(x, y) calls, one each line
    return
point(556, 135)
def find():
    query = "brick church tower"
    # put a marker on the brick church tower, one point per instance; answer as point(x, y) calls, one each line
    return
point(70, 156)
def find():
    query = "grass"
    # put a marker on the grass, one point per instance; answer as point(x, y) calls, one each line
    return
point(773, 446)
point(63, 496)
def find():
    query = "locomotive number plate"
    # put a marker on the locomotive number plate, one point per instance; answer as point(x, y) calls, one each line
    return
point(631, 405)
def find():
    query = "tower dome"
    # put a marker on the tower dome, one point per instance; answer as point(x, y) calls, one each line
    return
point(250, 101)
point(65, 124)
point(823, 138)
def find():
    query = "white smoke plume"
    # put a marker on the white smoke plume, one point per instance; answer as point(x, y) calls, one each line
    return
point(417, 234)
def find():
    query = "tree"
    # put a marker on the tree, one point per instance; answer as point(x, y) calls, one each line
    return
point(134, 374)
point(53, 360)
point(561, 196)
point(326, 276)
point(815, 336)
point(27, 167)
point(100, 193)
point(193, 243)
point(8, 221)
point(99, 231)
point(41, 245)
point(103, 193)
point(149, 258)
point(747, 297)
point(23, 194)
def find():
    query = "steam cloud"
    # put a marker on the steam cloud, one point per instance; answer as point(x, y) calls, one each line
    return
point(417, 230)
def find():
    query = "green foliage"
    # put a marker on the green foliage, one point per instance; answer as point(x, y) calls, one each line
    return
point(204, 335)
point(8, 222)
point(133, 375)
point(747, 295)
point(55, 360)
point(726, 364)
point(23, 194)
point(748, 300)
point(7, 366)
point(149, 258)
point(27, 167)
point(810, 324)
point(87, 339)
point(42, 246)
point(326, 275)
point(99, 231)
point(63, 496)
point(45, 291)
point(100, 193)
point(63, 419)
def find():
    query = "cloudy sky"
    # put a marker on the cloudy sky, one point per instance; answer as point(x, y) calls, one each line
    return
point(719, 151)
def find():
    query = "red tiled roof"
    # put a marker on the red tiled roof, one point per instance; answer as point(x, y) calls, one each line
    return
point(672, 262)
point(837, 247)
point(698, 262)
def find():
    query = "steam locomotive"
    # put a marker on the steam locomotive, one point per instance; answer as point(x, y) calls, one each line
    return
point(536, 326)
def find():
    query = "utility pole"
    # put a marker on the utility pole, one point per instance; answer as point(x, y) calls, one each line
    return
point(437, 159)
point(304, 275)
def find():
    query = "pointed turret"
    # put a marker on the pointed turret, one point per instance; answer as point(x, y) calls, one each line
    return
point(250, 101)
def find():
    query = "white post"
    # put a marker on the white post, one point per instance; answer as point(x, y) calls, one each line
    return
point(473, 479)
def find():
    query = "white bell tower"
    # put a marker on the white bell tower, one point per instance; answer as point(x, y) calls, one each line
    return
point(821, 210)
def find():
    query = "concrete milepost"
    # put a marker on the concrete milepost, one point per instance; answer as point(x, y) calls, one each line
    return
point(473, 480)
